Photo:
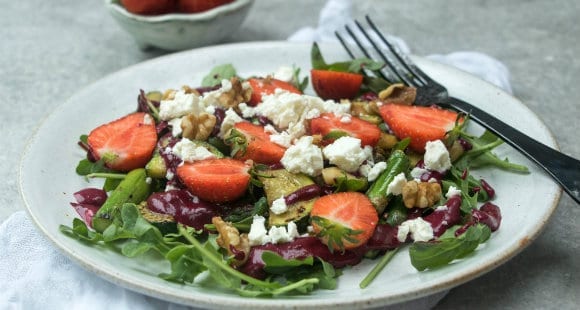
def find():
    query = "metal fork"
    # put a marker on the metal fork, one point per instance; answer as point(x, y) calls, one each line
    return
point(563, 168)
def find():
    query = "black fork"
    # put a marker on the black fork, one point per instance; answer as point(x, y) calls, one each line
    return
point(563, 168)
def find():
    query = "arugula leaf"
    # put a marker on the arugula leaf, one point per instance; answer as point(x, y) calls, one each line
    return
point(186, 264)
point(430, 255)
point(354, 66)
point(217, 74)
point(301, 84)
point(481, 156)
point(86, 167)
point(276, 264)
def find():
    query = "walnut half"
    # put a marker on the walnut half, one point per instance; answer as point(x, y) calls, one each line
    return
point(197, 127)
point(229, 238)
point(421, 194)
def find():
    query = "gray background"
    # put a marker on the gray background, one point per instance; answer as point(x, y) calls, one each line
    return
point(51, 49)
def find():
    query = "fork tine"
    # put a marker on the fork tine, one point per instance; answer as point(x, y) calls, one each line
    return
point(405, 61)
point(344, 45)
point(352, 56)
point(378, 50)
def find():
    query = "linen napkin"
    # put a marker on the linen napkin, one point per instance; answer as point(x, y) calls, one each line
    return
point(35, 275)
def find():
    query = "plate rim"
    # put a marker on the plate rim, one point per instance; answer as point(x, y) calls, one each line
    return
point(206, 300)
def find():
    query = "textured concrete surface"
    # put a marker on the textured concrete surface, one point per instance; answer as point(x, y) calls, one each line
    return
point(50, 49)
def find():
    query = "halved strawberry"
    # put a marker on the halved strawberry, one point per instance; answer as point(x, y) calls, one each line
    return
point(421, 124)
point(196, 6)
point(267, 86)
point(249, 141)
point(215, 180)
point(332, 126)
point(126, 143)
point(149, 7)
point(335, 85)
point(344, 220)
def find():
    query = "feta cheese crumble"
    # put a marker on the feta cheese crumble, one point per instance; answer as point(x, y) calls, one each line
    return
point(397, 184)
point(303, 157)
point(258, 234)
point(284, 73)
point(419, 229)
point(175, 126)
point(436, 156)
point(279, 206)
point(452, 191)
point(182, 104)
point(188, 151)
point(230, 119)
point(372, 172)
point(346, 153)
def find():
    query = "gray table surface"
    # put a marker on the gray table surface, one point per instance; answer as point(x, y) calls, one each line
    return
point(51, 49)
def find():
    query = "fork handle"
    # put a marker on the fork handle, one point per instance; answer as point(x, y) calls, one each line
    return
point(563, 168)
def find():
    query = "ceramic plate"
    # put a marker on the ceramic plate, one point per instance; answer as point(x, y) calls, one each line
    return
point(48, 180)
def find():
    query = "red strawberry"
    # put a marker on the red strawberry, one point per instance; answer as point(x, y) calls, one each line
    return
point(421, 124)
point(149, 7)
point(250, 141)
point(196, 6)
point(336, 85)
point(215, 180)
point(344, 220)
point(267, 86)
point(332, 126)
point(126, 143)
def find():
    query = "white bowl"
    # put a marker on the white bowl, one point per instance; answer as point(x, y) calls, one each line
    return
point(177, 31)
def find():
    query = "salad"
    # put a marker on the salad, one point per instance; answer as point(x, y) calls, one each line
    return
point(251, 185)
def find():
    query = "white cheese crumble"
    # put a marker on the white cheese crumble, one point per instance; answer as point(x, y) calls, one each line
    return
point(346, 153)
point(289, 113)
point(188, 151)
point(148, 120)
point(397, 184)
point(284, 73)
point(279, 206)
point(258, 234)
point(230, 119)
point(175, 126)
point(452, 191)
point(180, 105)
point(436, 156)
point(212, 98)
point(303, 157)
point(373, 172)
point(417, 172)
point(419, 229)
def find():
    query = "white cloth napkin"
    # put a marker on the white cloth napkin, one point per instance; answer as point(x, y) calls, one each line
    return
point(34, 275)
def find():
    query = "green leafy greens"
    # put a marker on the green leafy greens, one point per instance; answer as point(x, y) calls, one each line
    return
point(189, 257)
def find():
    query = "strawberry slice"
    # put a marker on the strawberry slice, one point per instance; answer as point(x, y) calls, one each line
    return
point(126, 143)
point(332, 126)
point(267, 86)
point(421, 124)
point(336, 85)
point(215, 180)
point(344, 220)
point(251, 141)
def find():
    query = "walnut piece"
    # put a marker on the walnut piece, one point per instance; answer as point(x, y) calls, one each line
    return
point(421, 194)
point(169, 94)
point(197, 127)
point(237, 245)
point(398, 94)
point(235, 95)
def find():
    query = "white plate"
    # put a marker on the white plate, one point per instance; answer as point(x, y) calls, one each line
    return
point(48, 179)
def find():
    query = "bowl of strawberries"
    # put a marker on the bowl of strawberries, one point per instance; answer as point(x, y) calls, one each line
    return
point(175, 25)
